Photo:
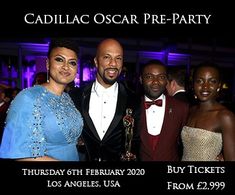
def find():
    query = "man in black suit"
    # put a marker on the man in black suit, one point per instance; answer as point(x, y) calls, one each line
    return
point(103, 105)
point(176, 84)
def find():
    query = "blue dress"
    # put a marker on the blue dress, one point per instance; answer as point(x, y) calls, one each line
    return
point(40, 123)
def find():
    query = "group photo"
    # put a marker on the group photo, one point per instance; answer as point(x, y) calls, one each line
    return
point(149, 93)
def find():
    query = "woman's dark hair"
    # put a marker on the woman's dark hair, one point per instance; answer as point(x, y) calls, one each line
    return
point(63, 42)
point(207, 64)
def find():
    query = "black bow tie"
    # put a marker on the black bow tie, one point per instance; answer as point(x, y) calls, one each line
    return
point(147, 104)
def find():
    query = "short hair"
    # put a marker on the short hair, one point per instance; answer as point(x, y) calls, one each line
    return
point(207, 64)
point(63, 42)
point(178, 74)
point(153, 61)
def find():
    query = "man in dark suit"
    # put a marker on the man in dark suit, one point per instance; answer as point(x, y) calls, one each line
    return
point(103, 105)
point(161, 116)
point(176, 84)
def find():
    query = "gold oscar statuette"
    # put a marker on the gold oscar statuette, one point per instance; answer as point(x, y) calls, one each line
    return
point(128, 122)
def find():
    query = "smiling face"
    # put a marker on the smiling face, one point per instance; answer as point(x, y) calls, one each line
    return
point(206, 83)
point(154, 80)
point(62, 65)
point(109, 62)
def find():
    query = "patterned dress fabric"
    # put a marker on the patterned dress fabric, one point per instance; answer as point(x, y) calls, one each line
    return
point(40, 123)
point(200, 144)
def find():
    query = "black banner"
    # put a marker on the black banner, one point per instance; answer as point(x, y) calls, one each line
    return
point(144, 22)
point(162, 177)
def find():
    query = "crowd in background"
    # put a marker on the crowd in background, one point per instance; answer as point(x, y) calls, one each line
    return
point(186, 105)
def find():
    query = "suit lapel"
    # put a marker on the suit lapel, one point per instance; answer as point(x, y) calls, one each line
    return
point(167, 117)
point(85, 110)
point(165, 125)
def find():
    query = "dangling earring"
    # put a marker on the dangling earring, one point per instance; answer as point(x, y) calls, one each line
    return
point(218, 90)
point(48, 68)
point(195, 97)
point(47, 77)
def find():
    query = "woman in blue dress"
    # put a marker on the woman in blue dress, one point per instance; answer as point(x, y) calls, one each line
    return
point(42, 122)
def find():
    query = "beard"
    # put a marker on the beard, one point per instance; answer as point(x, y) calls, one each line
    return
point(109, 81)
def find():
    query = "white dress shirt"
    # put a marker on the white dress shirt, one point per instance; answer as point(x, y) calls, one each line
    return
point(1, 103)
point(155, 116)
point(102, 106)
point(181, 90)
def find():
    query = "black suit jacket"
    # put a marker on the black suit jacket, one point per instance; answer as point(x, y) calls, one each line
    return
point(112, 144)
point(182, 96)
